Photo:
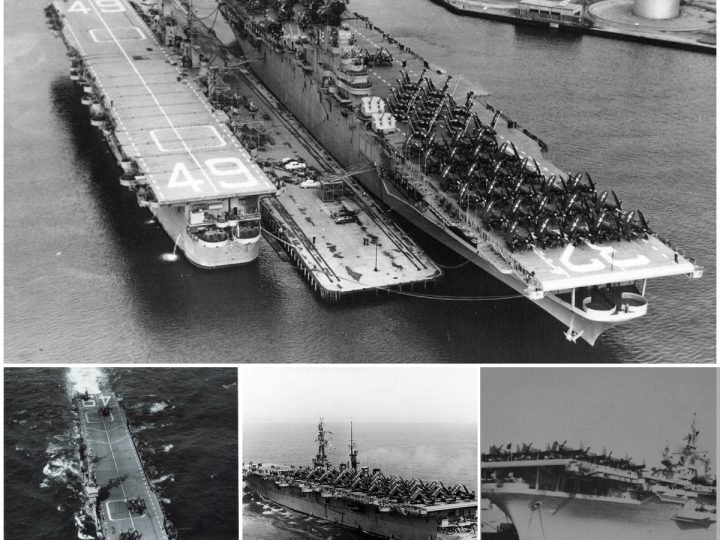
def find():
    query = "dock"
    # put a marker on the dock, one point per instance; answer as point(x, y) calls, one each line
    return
point(368, 253)
point(113, 475)
point(611, 19)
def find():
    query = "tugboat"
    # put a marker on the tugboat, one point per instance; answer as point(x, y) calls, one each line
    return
point(355, 497)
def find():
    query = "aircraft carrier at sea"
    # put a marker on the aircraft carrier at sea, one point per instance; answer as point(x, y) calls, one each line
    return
point(454, 166)
point(118, 497)
point(367, 501)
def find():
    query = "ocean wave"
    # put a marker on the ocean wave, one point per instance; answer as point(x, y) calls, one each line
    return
point(229, 386)
point(163, 478)
point(60, 468)
point(53, 449)
point(168, 447)
point(80, 379)
point(143, 427)
point(159, 406)
point(83, 522)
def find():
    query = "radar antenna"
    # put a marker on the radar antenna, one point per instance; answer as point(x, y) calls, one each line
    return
point(353, 450)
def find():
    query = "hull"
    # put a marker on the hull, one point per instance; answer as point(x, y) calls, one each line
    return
point(351, 145)
point(559, 516)
point(361, 518)
point(231, 252)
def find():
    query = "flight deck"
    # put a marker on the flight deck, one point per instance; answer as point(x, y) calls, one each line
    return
point(159, 118)
point(126, 505)
point(585, 264)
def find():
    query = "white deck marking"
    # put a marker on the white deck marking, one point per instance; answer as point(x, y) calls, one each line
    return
point(157, 137)
point(124, 506)
point(154, 98)
point(100, 35)
point(87, 418)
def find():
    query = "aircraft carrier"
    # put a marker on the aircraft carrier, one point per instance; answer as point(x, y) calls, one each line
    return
point(454, 166)
point(370, 502)
point(175, 150)
point(563, 493)
point(118, 497)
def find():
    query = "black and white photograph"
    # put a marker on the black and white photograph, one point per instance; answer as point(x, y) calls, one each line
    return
point(360, 181)
point(120, 454)
point(355, 452)
point(599, 453)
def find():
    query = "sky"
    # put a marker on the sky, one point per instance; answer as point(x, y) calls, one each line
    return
point(365, 393)
point(631, 410)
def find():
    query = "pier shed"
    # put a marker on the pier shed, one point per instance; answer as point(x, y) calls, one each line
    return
point(550, 10)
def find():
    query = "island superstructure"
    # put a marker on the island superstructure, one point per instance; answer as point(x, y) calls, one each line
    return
point(118, 497)
point(561, 493)
point(176, 152)
point(468, 176)
point(355, 497)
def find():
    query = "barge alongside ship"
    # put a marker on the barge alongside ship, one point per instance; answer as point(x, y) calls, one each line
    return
point(469, 177)
point(370, 502)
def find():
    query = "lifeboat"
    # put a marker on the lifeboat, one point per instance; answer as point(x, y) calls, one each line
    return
point(222, 222)
point(97, 114)
point(127, 179)
point(213, 238)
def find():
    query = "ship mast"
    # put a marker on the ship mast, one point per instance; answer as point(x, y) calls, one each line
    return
point(694, 431)
point(321, 458)
point(353, 451)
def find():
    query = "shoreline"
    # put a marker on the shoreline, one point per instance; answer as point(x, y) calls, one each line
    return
point(496, 13)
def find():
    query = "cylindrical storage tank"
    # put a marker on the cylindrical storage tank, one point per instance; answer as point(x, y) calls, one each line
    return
point(656, 9)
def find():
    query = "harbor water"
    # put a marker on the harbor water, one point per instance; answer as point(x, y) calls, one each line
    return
point(444, 452)
point(86, 280)
point(185, 421)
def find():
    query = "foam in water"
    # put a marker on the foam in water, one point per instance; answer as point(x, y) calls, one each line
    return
point(80, 379)
point(163, 478)
point(159, 406)
point(60, 467)
point(168, 447)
